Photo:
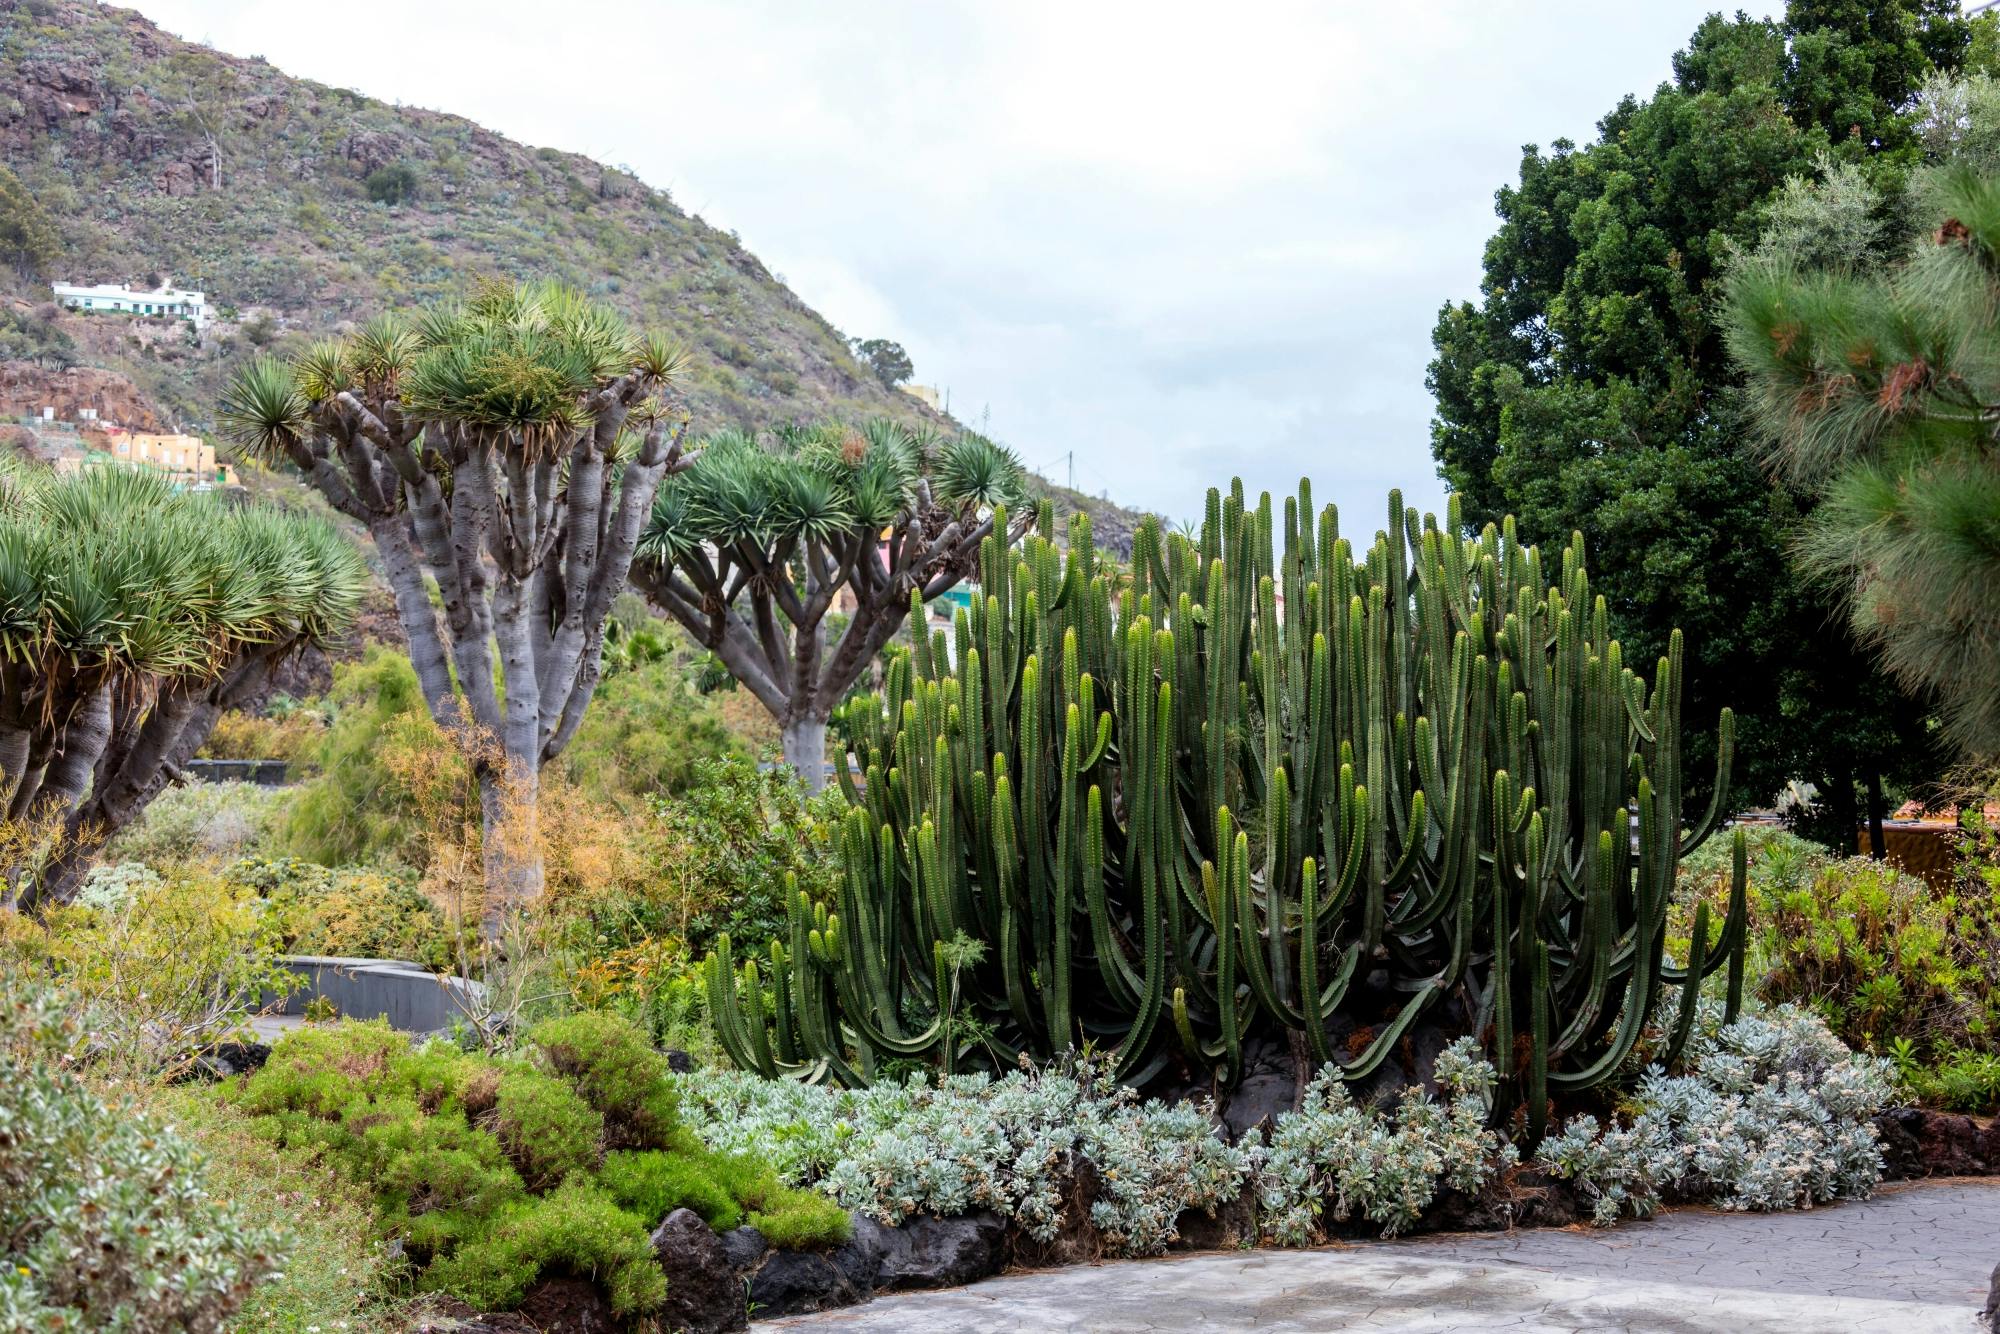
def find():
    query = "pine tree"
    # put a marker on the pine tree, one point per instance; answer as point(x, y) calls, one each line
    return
point(1880, 387)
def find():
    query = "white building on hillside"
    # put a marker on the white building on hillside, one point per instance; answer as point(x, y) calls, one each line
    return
point(111, 297)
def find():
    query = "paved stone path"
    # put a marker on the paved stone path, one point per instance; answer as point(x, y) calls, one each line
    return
point(1914, 1259)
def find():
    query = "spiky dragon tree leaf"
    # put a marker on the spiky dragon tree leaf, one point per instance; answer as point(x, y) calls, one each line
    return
point(264, 410)
point(973, 470)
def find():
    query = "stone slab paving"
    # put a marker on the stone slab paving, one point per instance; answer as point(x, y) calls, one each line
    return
point(1914, 1259)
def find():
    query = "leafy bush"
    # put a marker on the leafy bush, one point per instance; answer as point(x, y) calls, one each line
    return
point(648, 733)
point(392, 184)
point(1332, 1156)
point(179, 962)
point(109, 886)
point(1772, 1113)
point(352, 911)
point(250, 736)
point(359, 809)
point(719, 855)
point(106, 1218)
point(1876, 951)
point(202, 820)
point(1892, 964)
point(1957, 1081)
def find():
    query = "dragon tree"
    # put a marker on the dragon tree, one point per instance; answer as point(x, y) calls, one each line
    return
point(507, 447)
point(131, 616)
point(750, 549)
point(1269, 786)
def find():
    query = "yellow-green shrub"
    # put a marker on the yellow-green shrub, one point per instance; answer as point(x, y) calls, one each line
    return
point(354, 911)
point(490, 1171)
point(249, 736)
point(577, 1228)
point(179, 964)
point(546, 1130)
point(614, 1068)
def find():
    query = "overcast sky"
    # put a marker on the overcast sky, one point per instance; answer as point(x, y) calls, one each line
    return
point(1182, 241)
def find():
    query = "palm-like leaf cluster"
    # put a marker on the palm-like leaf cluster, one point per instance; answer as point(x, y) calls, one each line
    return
point(819, 483)
point(1883, 390)
point(516, 361)
point(112, 573)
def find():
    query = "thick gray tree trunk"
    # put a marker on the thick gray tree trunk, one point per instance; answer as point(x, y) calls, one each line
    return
point(509, 846)
point(803, 741)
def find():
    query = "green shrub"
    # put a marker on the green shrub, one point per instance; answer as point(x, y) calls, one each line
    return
point(192, 820)
point(353, 911)
point(653, 1184)
point(106, 1217)
point(1956, 1080)
point(489, 1172)
point(647, 733)
point(726, 1190)
point(1892, 964)
point(1778, 858)
point(176, 962)
point(318, 1071)
point(547, 1131)
point(396, 1119)
point(802, 1220)
point(250, 736)
point(610, 1063)
point(392, 184)
point(1877, 952)
point(356, 811)
point(576, 1229)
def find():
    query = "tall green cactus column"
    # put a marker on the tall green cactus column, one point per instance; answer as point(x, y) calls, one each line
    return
point(1253, 785)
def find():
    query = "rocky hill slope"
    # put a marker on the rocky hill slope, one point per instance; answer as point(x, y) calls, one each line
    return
point(299, 208)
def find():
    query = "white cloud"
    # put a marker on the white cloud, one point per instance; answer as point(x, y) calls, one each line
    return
point(1178, 240)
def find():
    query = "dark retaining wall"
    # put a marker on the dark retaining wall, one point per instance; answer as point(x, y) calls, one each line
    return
point(409, 996)
point(264, 773)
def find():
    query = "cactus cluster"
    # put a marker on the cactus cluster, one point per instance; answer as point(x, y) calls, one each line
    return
point(1253, 784)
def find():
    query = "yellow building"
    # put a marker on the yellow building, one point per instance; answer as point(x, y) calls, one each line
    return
point(188, 459)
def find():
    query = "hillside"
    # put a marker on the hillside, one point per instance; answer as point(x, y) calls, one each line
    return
point(156, 157)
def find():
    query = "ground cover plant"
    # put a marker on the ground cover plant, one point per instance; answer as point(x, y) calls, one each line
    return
point(493, 1171)
point(1773, 1112)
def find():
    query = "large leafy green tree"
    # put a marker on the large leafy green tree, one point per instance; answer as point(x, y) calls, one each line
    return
point(752, 547)
point(1589, 389)
point(888, 360)
point(1880, 386)
point(131, 617)
point(507, 449)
